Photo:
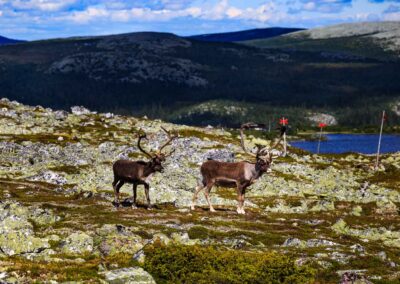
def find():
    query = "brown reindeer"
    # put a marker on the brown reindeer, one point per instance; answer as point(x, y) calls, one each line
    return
point(240, 174)
point(139, 172)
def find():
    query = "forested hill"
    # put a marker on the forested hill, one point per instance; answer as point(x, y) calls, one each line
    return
point(245, 35)
point(4, 41)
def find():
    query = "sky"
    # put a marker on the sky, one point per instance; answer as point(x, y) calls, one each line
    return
point(42, 19)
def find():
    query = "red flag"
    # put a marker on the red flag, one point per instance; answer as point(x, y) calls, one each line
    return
point(283, 121)
point(322, 125)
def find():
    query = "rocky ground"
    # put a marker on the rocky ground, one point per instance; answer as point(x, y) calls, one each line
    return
point(57, 222)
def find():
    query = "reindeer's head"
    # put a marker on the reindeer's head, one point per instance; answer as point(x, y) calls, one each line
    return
point(159, 157)
point(263, 155)
point(263, 160)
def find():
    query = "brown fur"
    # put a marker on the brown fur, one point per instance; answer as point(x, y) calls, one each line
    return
point(139, 172)
point(240, 175)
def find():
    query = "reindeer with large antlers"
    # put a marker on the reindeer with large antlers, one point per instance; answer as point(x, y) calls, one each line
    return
point(240, 174)
point(140, 172)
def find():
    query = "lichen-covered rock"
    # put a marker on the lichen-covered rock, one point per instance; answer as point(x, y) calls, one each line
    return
point(77, 243)
point(16, 232)
point(162, 238)
point(386, 207)
point(132, 275)
point(115, 244)
point(79, 110)
point(389, 238)
point(323, 205)
point(21, 242)
point(50, 177)
point(356, 211)
point(294, 242)
point(183, 239)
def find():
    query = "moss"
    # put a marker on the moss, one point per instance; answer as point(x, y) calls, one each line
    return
point(196, 264)
point(388, 178)
point(255, 238)
point(42, 271)
point(69, 169)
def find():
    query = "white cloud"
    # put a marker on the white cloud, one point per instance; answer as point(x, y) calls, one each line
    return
point(42, 5)
point(87, 15)
point(220, 11)
point(392, 16)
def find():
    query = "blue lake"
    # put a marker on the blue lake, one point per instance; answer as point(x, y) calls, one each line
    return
point(361, 143)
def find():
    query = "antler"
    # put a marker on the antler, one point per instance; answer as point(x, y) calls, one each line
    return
point(243, 127)
point(260, 151)
point(141, 137)
point(170, 138)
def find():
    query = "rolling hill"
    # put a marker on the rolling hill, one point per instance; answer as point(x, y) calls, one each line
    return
point(245, 35)
point(379, 40)
point(165, 76)
point(4, 41)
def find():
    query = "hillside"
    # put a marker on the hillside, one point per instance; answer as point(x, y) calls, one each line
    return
point(373, 39)
point(245, 35)
point(6, 41)
point(313, 218)
point(162, 75)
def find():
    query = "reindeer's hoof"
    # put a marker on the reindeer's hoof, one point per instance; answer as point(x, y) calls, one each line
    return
point(240, 211)
point(133, 206)
point(116, 204)
point(212, 210)
point(150, 207)
point(192, 208)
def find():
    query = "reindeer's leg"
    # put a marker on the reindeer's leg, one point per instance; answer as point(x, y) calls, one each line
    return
point(206, 194)
point(240, 197)
point(134, 189)
point(117, 187)
point(147, 191)
point(196, 193)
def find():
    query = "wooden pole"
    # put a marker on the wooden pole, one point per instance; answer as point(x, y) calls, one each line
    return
point(319, 140)
point(379, 142)
point(284, 139)
point(284, 144)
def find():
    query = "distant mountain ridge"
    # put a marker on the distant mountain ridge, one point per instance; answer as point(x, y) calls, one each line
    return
point(370, 39)
point(245, 35)
point(5, 41)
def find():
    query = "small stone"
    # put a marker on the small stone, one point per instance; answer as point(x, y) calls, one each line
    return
point(357, 248)
point(79, 110)
point(132, 275)
point(382, 255)
point(293, 242)
point(160, 237)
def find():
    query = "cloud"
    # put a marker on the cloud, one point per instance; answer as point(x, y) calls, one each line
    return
point(392, 9)
point(221, 10)
point(54, 18)
point(321, 6)
point(42, 5)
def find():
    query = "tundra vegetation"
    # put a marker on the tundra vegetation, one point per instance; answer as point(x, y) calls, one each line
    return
point(314, 218)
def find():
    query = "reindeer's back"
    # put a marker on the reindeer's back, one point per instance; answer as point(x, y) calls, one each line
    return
point(212, 168)
point(127, 168)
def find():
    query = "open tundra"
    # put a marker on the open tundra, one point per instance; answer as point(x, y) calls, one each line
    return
point(324, 217)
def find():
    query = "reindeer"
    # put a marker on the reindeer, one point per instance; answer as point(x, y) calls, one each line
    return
point(140, 172)
point(240, 174)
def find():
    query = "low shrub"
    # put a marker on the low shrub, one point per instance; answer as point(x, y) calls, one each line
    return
point(197, 264)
